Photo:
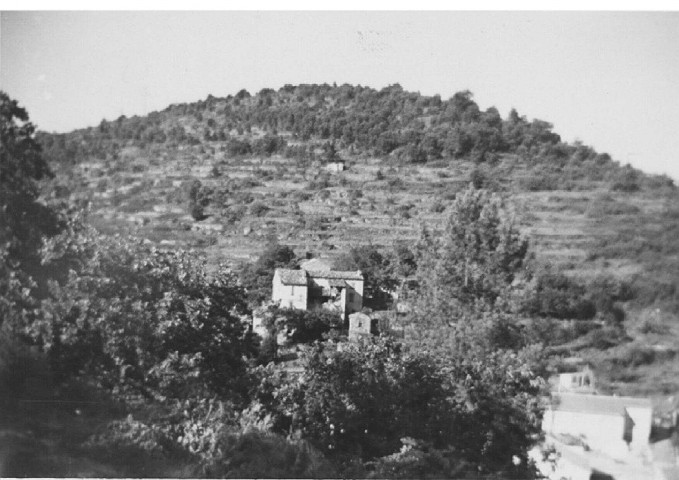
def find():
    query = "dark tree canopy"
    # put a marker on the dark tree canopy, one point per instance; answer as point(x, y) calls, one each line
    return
point(23, 218)
point(257, 277)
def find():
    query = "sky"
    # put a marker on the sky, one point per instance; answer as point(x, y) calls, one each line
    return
point(609, 79)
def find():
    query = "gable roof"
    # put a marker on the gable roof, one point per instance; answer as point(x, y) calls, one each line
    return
point(291, 277)
point(597, 404)
point(300, 277)
point(336, 274)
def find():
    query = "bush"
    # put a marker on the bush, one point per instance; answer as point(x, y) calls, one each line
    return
point(310, 325)
point(605, 338)
point(360, 401)
point(256, 454)
point(268, 145)
point(258, 209)
point(234, 213)
point(559, 297)
point(237, 147)
point(129, 437)
point(24, 373)
point(541, 182)
point(627, 180)
point(197, 212)
point(633, 356)
point(478, 178)
point(603, 207)
point(395, 183)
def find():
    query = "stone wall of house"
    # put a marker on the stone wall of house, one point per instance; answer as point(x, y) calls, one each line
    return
point(289, 296)
point(354, 296)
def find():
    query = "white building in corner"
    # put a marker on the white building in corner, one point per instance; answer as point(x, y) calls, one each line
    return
point(613, 425)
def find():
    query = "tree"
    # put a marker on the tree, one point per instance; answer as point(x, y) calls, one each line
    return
point(475, 259)
point(364, 401)
point(557, 296)
point(23, 218)
point(138, 320)
point(309, 325)
point(378, 272)
point(361, 400)
point(257, 277)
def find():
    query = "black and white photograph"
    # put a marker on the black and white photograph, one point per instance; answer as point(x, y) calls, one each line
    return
point(425, 240)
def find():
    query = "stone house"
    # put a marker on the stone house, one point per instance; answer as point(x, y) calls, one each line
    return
point(309, 289)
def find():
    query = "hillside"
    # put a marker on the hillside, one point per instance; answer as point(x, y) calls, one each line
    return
point(228, 175)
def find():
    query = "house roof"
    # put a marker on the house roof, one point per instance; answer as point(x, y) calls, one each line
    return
point(336, 274)
point(597, 404)
point(300, 277)
point(292, 277)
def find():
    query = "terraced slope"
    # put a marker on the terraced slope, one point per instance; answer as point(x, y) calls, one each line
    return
point(256, 167)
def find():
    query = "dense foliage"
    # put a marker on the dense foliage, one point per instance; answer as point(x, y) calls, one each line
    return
point(257, 277)
point(142, 319)
point(476, 259)
point(365, 400)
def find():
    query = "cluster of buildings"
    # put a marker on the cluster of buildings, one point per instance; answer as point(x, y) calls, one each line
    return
point(315, 285)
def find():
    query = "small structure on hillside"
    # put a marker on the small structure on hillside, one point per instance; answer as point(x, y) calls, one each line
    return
point(336, 166)
point(363, 325)
point(309, 289)
point(359, 326)
point(583, 381)
point(614, 425)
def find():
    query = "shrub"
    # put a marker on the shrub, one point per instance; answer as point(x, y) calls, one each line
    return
point(236, 147)
point(395, 183)
point(627, 180)
point(605, 338)
point(197, 212)
point(234, 213)
point(268, 145)
point(130, 437)
point(541, 182)
point(258, 209)
point(438, 206)
point(257, 454)
point(633, 355)
point(310, 325)
point(478, 178)
point(559, 297)
point(24, 373)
